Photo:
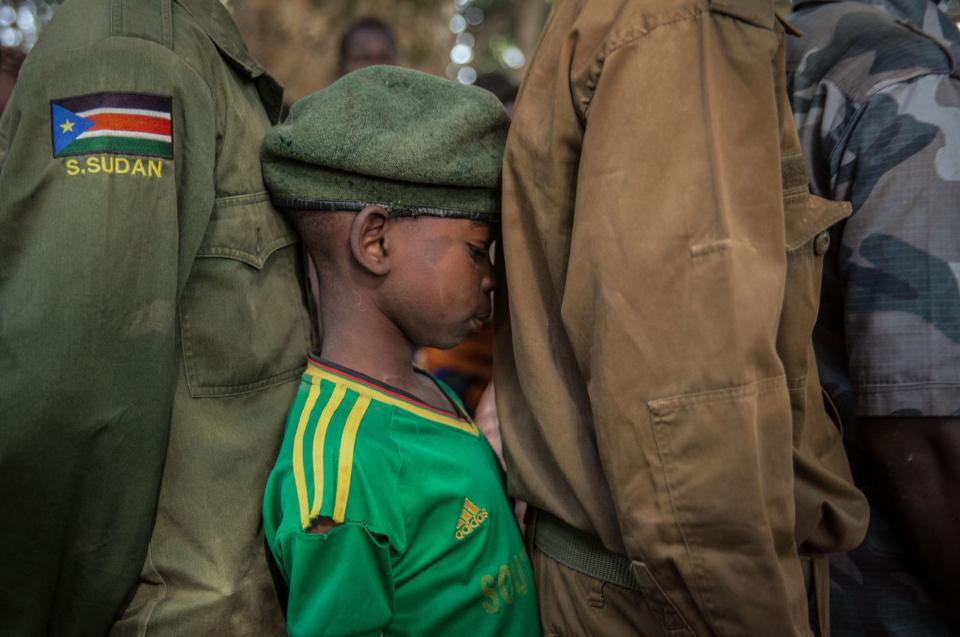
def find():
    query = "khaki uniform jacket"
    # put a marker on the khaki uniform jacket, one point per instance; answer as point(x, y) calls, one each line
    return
point(661, 263)
point(152, 324)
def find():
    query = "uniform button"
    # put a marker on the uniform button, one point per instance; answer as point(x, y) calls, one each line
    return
point(821, 244)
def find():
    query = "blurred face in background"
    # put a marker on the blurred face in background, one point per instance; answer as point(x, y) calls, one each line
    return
point(367, 47)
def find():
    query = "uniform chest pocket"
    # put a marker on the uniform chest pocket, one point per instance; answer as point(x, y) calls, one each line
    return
point(808, 217)
point(808, 220)
point(243, 323)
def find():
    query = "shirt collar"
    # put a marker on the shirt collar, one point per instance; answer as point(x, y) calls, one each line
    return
point(218, 24)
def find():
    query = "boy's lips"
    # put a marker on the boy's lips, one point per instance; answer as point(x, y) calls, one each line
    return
point(479, 320)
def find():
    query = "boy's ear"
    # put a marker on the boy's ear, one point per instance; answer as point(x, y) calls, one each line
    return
point(368, 240)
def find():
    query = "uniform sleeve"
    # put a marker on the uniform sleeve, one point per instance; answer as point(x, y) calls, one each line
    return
point(899, 264)
point(899, 258)
point(340, 583)
point(672, 300)
point(94, 248)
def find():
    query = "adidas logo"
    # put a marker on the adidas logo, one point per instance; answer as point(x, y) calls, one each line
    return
point(471, 517)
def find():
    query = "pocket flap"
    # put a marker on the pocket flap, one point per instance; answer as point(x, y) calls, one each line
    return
point(756, 12)
point(808, 215)
point(246, 228)
point(667, 614)
point(789, 28)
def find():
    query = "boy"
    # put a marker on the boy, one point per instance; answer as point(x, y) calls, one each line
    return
point(385, 511)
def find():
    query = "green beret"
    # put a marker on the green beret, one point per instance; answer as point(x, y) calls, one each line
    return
point(415, 143)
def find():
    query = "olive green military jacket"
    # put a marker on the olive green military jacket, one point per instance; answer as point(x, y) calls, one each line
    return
point(661, 266)
point(152, 327)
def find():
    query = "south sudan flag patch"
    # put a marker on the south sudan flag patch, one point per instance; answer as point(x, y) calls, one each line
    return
point(118, 123)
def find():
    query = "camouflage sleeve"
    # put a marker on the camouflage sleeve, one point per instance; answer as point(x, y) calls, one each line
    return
point(899, 257)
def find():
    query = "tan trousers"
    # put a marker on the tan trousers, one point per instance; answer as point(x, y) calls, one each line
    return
point(573, 604)
point(576, 605)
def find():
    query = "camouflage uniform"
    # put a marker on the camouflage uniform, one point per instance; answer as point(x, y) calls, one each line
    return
point(875, 88)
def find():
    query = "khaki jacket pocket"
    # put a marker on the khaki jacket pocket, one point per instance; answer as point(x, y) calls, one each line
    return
point(831, 513)
point(755, 12)
point(808, 215)
point(668, 618)
point(242, 318)
point(727, 461)
point(808, 219)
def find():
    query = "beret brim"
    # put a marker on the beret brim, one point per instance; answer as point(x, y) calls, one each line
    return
point(412, 142)
point(323, 188)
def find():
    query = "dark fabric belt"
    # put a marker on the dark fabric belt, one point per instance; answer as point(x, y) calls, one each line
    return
point(586, 554)
point(581, 551)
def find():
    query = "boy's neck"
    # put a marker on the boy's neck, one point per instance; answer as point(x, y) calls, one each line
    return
point(363, 339)
point(367, 342)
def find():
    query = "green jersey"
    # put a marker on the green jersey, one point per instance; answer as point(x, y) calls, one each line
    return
point(426, 542)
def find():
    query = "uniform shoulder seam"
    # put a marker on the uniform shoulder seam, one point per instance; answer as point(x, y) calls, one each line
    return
point(43, 61)
point(647, 24)
point(880, 87)
point(874, 23)
point(163, 34)
point(184, 61)
point(874, 91)
point(941, 45)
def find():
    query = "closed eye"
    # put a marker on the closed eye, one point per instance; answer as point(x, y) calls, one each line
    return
point(478, 253)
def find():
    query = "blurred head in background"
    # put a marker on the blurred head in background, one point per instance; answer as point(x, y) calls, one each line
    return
point(366, 42)
point(501, 86)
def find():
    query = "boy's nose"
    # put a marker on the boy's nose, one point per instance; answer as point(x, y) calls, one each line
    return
point(486, 281)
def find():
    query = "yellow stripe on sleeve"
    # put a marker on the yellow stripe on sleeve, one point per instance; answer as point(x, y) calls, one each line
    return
point(299, 474)
point(318, 439)
point(345, 468)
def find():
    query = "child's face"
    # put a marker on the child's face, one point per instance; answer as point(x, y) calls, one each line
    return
point(440, 279)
